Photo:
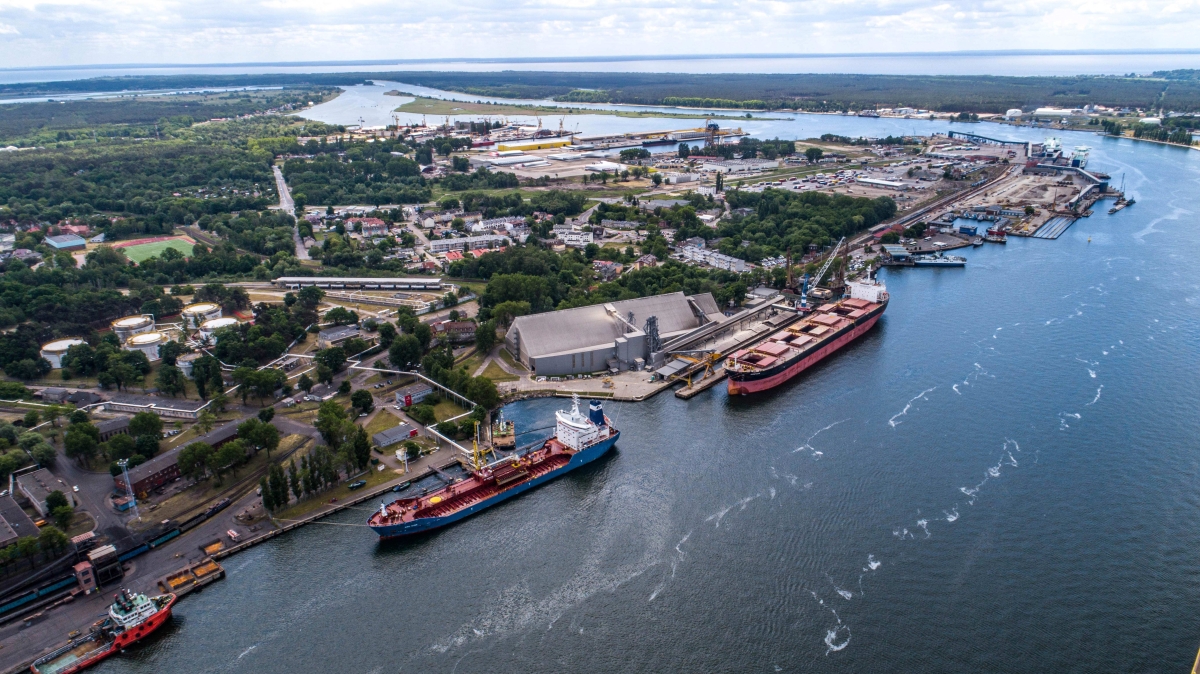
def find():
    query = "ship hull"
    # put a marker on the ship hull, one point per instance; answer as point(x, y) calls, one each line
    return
point(424, 524)
point(68, 660)
point(741, 384)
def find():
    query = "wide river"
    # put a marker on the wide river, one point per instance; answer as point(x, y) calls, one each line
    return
point(1003, 476)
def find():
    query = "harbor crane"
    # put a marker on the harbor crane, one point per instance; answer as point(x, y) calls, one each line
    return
point(706, 357)
point(825, 268)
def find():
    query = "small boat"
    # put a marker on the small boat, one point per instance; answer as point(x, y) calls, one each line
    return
point(939, 260)
point(977, 241)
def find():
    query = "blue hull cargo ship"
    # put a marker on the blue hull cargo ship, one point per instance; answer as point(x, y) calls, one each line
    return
point(579, 440)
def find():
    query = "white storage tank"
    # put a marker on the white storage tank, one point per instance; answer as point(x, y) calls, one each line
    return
point(209, 328)
point(124, 328)
point(56, 350)
point(195, 314)
point(147, 343)
point(186, 361)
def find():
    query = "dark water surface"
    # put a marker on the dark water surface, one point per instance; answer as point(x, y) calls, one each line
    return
point(1002, 476)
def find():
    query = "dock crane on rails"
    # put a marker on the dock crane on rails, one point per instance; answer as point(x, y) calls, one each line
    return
point(823, 293)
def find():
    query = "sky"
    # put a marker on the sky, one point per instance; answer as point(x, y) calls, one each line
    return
point(82, 32)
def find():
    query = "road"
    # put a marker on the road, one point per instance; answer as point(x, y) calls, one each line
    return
point(288, 205)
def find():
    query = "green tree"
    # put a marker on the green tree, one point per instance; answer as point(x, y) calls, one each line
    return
point(329, 422)
point(305, 383)
point(362, 400)
point(62, 516)
point(146, 423)
point(268, 495)
point(194, 460)
point(814, 154)
point(170, 380)
point(31, 419)
point(324, 374)
point(266, 414)
point(206, 372)
point(332, 358)
point(205, 422)
point(57, 499)
point(52, 541)
point(53, 413)
point(387, 333)
point(120, 446)
point(405, 352)
point(340, 316)
point(80, 442)
point(505, 312)
point(44, 453)
point(362, 448)
point(485, 336)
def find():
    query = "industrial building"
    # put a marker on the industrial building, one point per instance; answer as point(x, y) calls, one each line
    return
point(37, 487)
point(176, 408)
point(66, 242)
point(614, 336)
point(382, 283)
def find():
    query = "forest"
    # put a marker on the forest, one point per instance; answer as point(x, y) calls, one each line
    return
point(139, 117)
point(826, 92)
point(784, 220)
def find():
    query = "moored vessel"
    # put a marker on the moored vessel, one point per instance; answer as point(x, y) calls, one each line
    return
point(579, 439)
point(939, 260)
point(131, 618)
point(792, 350)
point(996, 235)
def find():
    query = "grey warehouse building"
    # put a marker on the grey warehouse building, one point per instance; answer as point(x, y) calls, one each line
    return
point(607, 336)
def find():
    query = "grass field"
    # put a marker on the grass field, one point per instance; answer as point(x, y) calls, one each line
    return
point(145, 251)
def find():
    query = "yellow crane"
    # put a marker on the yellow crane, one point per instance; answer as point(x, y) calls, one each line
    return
point(706, 357)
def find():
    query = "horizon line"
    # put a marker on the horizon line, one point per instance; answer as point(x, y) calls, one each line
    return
point(621, 58)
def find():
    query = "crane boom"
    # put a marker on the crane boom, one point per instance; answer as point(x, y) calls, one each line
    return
point(828, 261)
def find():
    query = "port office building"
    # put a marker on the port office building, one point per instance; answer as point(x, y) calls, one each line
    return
point(610, 336)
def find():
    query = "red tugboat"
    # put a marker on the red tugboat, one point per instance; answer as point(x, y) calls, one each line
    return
point(996, 235)
point(792, 350)
point(131, 618)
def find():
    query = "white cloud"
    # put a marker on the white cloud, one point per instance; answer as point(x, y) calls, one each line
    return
point(170, 31)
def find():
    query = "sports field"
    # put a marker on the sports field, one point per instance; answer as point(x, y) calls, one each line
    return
point(145, 251)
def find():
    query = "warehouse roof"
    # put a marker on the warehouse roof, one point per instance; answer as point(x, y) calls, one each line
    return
point(572, 329)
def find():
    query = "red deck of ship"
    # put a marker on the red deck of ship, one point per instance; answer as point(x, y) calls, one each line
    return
point(478, 487)
point(789, 341)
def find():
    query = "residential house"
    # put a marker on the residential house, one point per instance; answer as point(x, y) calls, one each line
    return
point(455, 331)
point(606, 270)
